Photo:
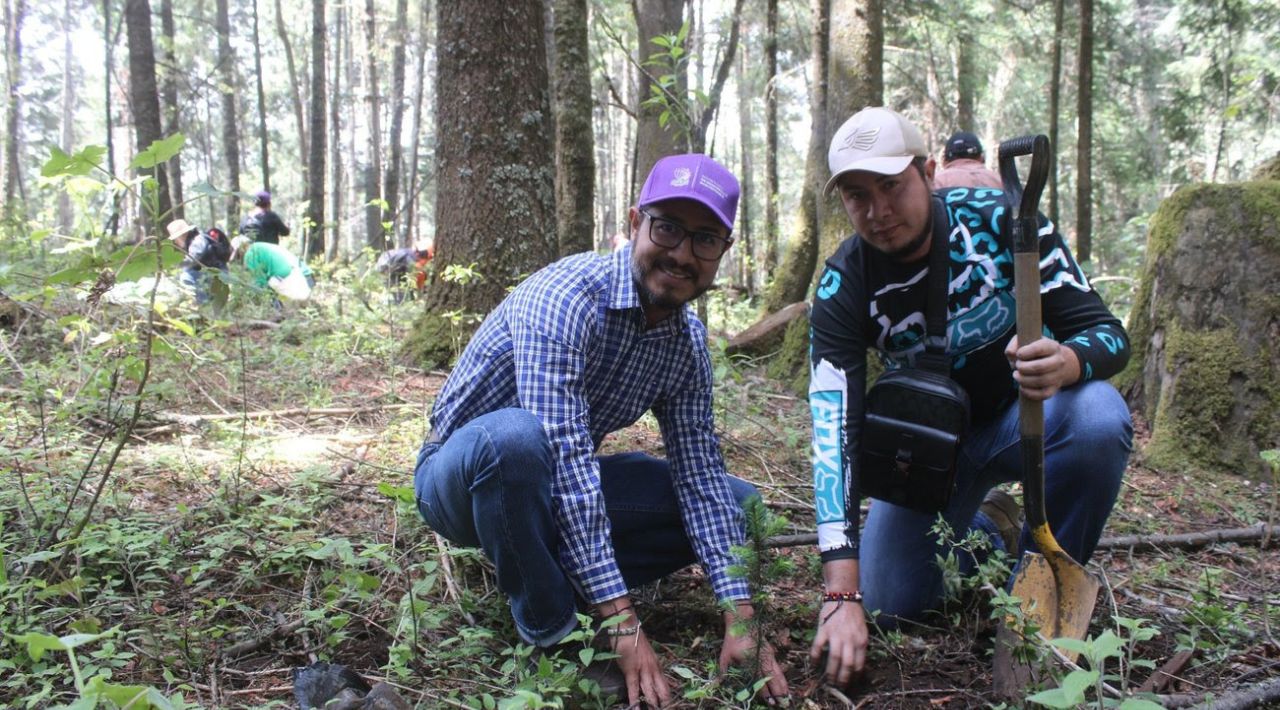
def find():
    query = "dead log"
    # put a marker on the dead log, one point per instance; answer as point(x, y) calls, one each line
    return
point(1252, 696)
point(765, 335)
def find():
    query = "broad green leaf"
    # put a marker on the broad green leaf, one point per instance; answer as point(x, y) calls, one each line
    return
point(403, 493)
point(204, 189)
point(37, 643)
point(1077, 682)
point(159, 151)
point(181, 325)
point(1139, 704)
point(139, 697)
point(78, 164)
point(585, 655)
point(1072, 645)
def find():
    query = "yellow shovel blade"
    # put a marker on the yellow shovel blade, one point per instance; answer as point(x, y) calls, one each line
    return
point(1059, 597)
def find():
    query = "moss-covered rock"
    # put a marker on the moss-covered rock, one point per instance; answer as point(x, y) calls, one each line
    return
point(436, 340)
point(1205, 368)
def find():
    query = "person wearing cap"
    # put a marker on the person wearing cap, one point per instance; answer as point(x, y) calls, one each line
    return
point(963, 164)
point(271, 266)
point(262, 224)
point(872, 295)
point(203, 251)
point(580, 349)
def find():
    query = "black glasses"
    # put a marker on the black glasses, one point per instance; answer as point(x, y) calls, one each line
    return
point(669, 235)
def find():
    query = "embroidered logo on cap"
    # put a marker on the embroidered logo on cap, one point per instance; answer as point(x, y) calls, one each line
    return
point(861, 139)
point(680, 177)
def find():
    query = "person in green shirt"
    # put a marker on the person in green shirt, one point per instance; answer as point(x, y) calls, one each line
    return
point(274, 267)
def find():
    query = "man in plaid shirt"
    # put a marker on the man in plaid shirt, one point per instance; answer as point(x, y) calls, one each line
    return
point(580, 349)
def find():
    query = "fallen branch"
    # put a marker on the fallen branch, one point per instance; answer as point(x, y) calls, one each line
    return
point(1252, 696)
point(1136, 543)
point(250, 645)
point(194, 419)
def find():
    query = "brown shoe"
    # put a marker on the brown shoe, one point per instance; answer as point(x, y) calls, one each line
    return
point(1004, 511)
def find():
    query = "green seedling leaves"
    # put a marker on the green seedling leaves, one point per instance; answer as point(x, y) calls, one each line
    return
point(159, 152)
point(37, 643)
point(77, 164)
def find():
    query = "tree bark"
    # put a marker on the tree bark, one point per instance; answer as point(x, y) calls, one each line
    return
point(966, 81)
point(334, 247)
point(169, 89)
point(855, 80)
point(295, 93)
point(496, 191)
point(800, 258)
point(746, 252)
point(575, 142)
point(375, 235)
point(413, 233)
point(1084, 140)
point(66, 216)
point(654, 18)
point(395, 151)
point(230, 118)
point(770, 245)
point(262, 104)
point(708, 114)
point(315, 162)
point(145, 102)
point(15, 16)
point(1055, 106)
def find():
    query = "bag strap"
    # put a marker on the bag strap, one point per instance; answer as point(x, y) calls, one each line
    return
point(934, 357)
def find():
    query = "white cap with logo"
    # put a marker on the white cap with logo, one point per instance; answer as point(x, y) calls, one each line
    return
point(877, 140)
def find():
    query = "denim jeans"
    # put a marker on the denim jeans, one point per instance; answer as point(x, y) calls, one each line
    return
point(489, 486)
point(197, 281)
point(1088, 437)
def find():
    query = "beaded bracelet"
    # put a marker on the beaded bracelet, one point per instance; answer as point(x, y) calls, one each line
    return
point(842, 597)
point(624, 630)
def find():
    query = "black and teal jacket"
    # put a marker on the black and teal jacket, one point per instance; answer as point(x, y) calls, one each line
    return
point(866, 300)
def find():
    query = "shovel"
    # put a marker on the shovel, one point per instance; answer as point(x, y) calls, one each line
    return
point(1057, 594)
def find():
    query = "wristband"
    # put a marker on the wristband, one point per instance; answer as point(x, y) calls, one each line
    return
point(624, 630)
point(842, 597)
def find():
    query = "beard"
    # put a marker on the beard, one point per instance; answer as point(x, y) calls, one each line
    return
point(905, 251)
point(640, 275)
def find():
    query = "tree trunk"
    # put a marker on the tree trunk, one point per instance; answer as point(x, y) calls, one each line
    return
point(1084, 140)
point(855, 80)
point(230, 118)
point(315, 161)
point(15, 15)
point(495, 209)
point(375, 235)
point(334, 247)
point(169, 89)
point(262, 103)
point(770, 246)
point(395, 151)
point(800, 259)
point(108, 41)
point(1055, 107)
point(746, 250)
point(729, 53)
point(145, 102)
point(966, 81)
point(575, 142)
point(413, 233)
point(295, 93)
point(66, 216)
point(654, 18)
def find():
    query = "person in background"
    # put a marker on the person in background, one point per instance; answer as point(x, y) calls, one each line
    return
point(396, 265)
point(205, 251)
point(582, 348)
point(872, 297)
point(963, 164)
point(262, 224)
point(271, 266)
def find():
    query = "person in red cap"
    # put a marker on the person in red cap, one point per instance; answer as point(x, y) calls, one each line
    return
point(262, 224)
point(582, 348)
point(963, 164)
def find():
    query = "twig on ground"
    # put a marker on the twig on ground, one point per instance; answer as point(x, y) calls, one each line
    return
point(250, 645)
point(451, 587)
point(192, 419)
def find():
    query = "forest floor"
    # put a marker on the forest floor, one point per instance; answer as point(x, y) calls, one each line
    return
point(227, 550)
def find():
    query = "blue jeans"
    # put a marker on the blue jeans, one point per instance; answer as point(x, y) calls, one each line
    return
point(1088, 437)
point(489, 486)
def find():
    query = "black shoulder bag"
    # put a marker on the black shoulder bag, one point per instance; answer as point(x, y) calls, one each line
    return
point(916, 416)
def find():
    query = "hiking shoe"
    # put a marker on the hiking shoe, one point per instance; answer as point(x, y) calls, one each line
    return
point(1002, 510)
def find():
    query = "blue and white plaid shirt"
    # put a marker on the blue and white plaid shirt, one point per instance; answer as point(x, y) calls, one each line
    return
point(569, 345)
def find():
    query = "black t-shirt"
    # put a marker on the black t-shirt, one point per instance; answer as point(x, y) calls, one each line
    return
point(264, 226)
point(866, 300)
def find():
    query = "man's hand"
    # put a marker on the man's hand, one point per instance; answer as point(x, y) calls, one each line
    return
point(842, 633)
point(738, 649)
point(636, 658)
point(642, 670)
point(1043, 367)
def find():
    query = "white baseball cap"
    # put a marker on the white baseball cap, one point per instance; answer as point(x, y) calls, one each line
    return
point(877, 140)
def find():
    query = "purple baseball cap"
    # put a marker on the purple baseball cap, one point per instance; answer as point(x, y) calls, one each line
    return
point(696, 177)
